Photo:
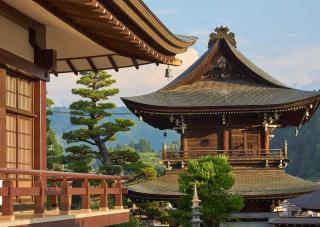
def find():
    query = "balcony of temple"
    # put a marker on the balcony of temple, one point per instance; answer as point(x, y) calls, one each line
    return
point(175, 158)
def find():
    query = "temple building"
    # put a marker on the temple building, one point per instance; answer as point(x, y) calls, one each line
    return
point(40, 38)
point(225, 104)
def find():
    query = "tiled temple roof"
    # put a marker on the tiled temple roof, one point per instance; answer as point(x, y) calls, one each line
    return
point(310, 201)
point(252, 183)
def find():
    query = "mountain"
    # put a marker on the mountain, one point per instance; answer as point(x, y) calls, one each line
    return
point(60, 123)
point(304, 149)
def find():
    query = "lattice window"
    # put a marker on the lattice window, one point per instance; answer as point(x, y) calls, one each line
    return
point(253, 140)
point(11, 91)
point(19, 128)
point(237, 140)
point(19, 93)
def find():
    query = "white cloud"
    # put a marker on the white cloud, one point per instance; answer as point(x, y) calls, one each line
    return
point(130, 81)
point(299, 67)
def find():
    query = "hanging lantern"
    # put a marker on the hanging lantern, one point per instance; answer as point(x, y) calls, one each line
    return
point(168, 72)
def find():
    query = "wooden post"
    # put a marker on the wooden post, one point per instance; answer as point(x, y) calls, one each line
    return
point(2, 118)
point(104, 196)
point(40, 200)
point(164, 151)
point(54, 198)
point(184, 146)
point(285, 149)
point(118, 197)
point(85, 199)
point(225, 141)
point(7, 201)
point(40, 128)
point(64, 198)
point(266, 142)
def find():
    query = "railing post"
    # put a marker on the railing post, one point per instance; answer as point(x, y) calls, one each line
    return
point(54, 198)
point(64, 198)
point(104, 196)
point(118, 196)
point(85, 199)
point(7, 201)
point(39, 200)
point(285, 149)
point(164, 151)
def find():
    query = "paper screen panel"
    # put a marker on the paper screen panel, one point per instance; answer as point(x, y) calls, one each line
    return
point(11, 91)
point(25, 95)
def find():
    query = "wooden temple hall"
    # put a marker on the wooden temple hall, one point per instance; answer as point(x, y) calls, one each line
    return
point(225, 104)
point(40, 38)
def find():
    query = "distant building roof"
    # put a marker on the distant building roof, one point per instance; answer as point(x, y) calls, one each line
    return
point(310, 201)
point(296, 221)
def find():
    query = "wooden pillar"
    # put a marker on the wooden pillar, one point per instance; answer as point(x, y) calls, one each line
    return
point(7, 201)
point(40, 126)
point(118, 197)
point(40, 200)
point(184, 146)
point(65, 198)
point(2, 118)
point(85, 199)
point(225, 141)
point(104, 196)
point(266, 141)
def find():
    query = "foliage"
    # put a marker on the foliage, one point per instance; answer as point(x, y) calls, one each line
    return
point(143, 145)
point(133, 222)
point(127, 161)
point(303, 150)
point(90, 112)
point(79, 159)
point(214, 178)
point(54, 149)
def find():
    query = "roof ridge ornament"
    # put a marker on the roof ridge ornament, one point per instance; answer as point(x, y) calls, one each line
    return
point(222, 33)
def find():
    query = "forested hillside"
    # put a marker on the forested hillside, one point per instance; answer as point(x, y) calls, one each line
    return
point(304, 149)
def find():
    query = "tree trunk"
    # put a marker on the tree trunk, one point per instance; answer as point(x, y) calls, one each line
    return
point(104, 151)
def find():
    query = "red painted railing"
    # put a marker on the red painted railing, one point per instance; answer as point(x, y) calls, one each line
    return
point(59, 184)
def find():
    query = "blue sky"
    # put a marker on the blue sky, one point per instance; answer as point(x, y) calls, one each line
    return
point(280, 36)
point(268, 26)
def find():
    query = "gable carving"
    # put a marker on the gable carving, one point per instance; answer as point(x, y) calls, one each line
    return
point(221, 69)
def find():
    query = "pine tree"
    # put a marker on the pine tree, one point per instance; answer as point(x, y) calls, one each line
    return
point(90, 112)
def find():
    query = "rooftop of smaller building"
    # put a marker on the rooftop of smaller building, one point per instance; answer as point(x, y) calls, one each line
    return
point(249, 183)
point(310, 201)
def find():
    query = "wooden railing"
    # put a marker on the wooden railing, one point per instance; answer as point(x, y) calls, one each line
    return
point(261, 154)
point(59, 184)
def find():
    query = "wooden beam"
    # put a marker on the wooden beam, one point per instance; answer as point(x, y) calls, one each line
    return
point(135, 63)
point(19, 65)
point(91, 63)
point(113, 63)
point(72, 67)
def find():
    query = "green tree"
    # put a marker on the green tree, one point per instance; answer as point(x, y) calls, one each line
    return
point(127, 161)
point(90, 112)
point(54, 148)
point(79, 158)
point(214, 178)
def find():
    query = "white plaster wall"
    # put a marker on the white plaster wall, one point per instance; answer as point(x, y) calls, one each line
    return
point(245, 224)
point(15, 39)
